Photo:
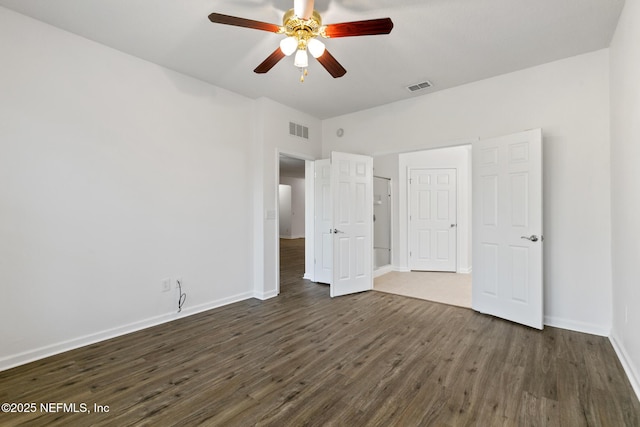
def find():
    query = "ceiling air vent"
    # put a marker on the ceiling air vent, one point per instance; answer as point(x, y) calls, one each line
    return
point(298, 130)
point(419, 86)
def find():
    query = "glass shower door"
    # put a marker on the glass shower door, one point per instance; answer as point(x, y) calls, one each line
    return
point(381, 222)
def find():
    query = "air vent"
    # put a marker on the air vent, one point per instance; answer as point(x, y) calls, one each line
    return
point(298, 130)
point(419, 86)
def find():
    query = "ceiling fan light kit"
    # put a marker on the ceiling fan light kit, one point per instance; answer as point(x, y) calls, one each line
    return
point(302, 25)
point(302, 32)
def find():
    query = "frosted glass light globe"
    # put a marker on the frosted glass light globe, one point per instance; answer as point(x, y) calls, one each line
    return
point(288, 45)
point(302, 59)
point(316, 48)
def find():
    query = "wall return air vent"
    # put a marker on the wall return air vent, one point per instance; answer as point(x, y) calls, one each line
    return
point(298, 130)
point(419, 86)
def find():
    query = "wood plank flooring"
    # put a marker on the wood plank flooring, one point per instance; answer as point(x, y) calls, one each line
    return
point(370, 359)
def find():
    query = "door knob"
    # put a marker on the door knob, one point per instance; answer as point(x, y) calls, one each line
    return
point(336, 231)
point(454, 225)
point(532, 238)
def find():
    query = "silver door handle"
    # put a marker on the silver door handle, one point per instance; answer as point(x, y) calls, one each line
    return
point(336, 231)
point(532, 238)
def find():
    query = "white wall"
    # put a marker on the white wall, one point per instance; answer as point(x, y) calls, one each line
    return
point(625, 189)
point(114, 174)
point(569, 100)
point(272, 138)
point(297, 206)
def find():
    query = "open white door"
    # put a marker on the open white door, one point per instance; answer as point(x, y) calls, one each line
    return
point(507, 227)
point(432, 219)
point(352, 194)
point(323, 224)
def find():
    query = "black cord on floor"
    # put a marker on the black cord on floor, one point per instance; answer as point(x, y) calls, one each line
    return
point(182, 298)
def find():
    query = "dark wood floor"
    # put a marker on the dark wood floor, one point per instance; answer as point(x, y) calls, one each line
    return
point(371, 359)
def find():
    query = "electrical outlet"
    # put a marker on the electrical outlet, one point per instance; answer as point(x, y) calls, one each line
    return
point(165, 284)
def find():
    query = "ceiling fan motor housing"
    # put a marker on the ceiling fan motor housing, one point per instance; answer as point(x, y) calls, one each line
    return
point(302, 29)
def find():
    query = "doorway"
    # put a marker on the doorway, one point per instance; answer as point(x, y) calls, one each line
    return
point(352, 207)
point(405, 278)
point(291, 219)
point(450, 158)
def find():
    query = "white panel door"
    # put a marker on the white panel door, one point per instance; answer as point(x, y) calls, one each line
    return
point(323, 223)
point(432, 219)
point(352, 189)
point(507, 227)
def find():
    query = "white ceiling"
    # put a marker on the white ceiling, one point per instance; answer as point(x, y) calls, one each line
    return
point(449, 42)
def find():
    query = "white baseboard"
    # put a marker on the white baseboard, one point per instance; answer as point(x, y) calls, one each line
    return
point(572, 325)
point(265, 295)
point(308, 277)
point(382, 270)
point(72, 344)
point(624, 358)
point(401, 270)
point(465, 270)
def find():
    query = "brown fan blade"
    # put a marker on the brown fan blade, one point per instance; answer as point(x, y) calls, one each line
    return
point(268, 63)
point(331, 64)
point(369, 27)
point(219, 18)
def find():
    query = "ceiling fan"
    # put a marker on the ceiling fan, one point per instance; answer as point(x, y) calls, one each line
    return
point(303, 25)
